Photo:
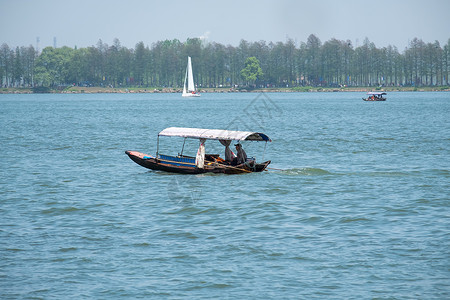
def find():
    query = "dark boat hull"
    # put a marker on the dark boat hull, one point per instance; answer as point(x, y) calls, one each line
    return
point(368, 99)
point(183, 167)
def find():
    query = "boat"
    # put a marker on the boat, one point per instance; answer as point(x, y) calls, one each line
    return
point(202, 162)
point(375, 96)
point(189, 90)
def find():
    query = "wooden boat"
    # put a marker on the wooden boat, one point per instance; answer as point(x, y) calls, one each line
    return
point(189, 86)
point(375, 96)
point(202, 162)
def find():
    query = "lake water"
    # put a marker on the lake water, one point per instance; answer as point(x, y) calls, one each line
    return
point(356, 205)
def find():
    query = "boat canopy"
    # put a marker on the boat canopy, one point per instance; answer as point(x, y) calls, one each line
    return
point(376, 93)
point(214, 134)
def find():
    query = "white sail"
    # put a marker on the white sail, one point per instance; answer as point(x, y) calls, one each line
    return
point(189, 91)
point(191, 86)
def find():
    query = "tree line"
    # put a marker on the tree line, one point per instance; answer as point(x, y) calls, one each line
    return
point(282, 64)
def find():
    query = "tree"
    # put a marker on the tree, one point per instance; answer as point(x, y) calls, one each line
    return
point(53, 65)
point(252, 72)
point(5, 65)
point(446, 63)
point(139, 65)
point(312, 60)
point(163, 64)
point(29, 57)
point(18, 68)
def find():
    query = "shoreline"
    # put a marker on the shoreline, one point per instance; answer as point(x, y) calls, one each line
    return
point(106, 90)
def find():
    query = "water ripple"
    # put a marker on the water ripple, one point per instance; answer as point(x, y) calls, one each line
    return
point(349, 210)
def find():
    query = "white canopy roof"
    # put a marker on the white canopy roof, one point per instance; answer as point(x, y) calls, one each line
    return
point(214, 134)
point(376, 93)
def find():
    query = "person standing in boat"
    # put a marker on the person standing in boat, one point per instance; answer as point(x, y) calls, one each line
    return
point(241, 156)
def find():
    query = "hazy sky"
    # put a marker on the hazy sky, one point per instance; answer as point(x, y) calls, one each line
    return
point(82, 23)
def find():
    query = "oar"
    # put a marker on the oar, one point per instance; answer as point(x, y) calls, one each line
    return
point(231, 167)
point(275, 169)
point(240, 169)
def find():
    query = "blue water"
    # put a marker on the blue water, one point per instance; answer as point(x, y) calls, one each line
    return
point(356, 205)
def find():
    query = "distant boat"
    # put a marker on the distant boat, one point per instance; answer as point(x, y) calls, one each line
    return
point(189, 90)
point(375, 96)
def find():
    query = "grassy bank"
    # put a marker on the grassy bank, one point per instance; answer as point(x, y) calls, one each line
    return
point(306, 89)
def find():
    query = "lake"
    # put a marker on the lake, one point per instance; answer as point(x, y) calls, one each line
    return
point(355, 205)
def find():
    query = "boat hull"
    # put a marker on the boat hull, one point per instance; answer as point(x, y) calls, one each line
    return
point(177, 165)
point(382, 99)
point(190, 95)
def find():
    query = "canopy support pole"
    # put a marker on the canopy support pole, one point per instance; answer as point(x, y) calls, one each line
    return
point(157, 147)
point(264, 153)
point(182, 149)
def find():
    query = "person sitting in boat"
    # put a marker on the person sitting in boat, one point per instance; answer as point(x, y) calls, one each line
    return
point(229, 155)
point(241, 156)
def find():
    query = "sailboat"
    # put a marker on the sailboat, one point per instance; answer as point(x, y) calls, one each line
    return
point(189, 91)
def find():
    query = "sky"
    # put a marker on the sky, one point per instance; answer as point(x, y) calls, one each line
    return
point(82, 23)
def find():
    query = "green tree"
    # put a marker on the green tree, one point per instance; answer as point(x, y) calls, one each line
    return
point(29, 57)
point(252, 72)
point(164, 64)
point(5, 65)
point(312, 60)
point(52, 66)
point(17, 66)
point(446, 63)
point(139, 63)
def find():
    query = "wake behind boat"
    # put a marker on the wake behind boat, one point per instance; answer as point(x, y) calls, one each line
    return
point(189, 90)
point(202, 162)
